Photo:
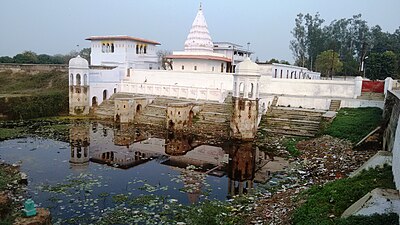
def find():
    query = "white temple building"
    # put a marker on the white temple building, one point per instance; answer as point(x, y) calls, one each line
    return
point(199, 55)
point(202, 71)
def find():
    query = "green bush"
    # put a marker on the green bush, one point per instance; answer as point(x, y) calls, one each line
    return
point(335, 197)
point(354, 123)
point(34, 106)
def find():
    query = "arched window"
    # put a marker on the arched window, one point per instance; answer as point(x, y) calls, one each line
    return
point(103, 47)
point(281, 73)
point(104, 95)
point(222, 67)
point(78, 79)
point(94, 101)
point(137, 49)
point(241, 89)
point(276, 73)
point(145, 49)
point(195, 67)
point(251, 90)
point(72, 79)
point(108, 47)
point(85, 81)
point(112, 47)
point(115, 90)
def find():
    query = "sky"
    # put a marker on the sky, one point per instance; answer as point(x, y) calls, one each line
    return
point(58, 26)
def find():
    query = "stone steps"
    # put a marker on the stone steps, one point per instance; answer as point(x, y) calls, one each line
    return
point(335, 105)
point(293, 121)
point(372, 96)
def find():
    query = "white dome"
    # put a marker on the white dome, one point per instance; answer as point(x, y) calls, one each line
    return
point(247, 67)
point(78, 62)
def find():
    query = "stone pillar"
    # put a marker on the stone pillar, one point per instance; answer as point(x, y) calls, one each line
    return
point(357, 86)
point(388, 85)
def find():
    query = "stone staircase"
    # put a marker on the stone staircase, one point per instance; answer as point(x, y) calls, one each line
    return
point(372, 96)
point(335, 105)
point(293, 121)
point(154, 113)
point(106, 109)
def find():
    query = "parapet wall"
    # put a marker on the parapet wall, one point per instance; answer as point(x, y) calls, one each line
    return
point(32, 67)
point(391, 139)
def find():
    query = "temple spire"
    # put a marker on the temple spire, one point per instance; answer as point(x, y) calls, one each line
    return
point(199, 39)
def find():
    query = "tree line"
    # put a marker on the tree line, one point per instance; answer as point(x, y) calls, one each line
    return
point(345, 47)
point(30, 57)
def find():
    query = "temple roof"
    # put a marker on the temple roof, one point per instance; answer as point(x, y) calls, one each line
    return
point(199, 39)
point(121, 38)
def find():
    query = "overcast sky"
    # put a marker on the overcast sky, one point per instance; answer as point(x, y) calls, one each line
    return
point(57, 26)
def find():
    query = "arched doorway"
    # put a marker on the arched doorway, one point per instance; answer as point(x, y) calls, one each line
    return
point(138, 108)
point(117, 118)
point(94, 101)
point(104, 95)
point(191, 115)
point(171, 125)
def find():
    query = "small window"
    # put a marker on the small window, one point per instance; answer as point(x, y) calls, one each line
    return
point(195, 67)
point(183, 67)
point(212, 69)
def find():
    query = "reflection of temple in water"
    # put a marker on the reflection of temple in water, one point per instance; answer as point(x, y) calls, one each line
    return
point(79, 143)
point(126, 135)
point(178, 144)
point(244, 166)
point(126, 146)
point(241, 168)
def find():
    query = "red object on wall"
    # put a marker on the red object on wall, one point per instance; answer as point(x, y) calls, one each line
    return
point(373, 86)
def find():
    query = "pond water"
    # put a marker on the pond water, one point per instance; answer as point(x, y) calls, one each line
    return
point(101, 165)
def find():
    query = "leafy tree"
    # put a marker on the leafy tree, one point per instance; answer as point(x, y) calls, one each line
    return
point(44, 59)
point(382, 65)
point(272, 61)
point(328, 63)
point(26, 57)
point(85, 53)
point(298, 45)
point(284, 62)
point(6, 59)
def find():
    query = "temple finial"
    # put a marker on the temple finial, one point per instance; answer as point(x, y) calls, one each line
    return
point(200, 6)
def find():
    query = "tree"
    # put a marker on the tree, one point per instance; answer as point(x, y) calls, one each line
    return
point(298, 45)
point(382, 65)
point(45, 59)
point(328, 63)
point(6, 59)
point(272, 61)
point(85, 53)
point(162, 59)
point(26, 57)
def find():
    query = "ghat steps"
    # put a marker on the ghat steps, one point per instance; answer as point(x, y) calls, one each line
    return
point(106, 109)
point(335, 105)
point(372, 96)
point(293, 121)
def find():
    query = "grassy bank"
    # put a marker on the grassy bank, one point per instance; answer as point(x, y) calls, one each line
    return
point(354, 123)
point(33, 95)
point(325, 204)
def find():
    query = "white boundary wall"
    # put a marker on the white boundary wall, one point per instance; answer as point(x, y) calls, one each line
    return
point(210, 94)
point(312, 88)
point(222, 81)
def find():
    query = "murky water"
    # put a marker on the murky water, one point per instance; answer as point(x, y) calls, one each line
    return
point(101, 165)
